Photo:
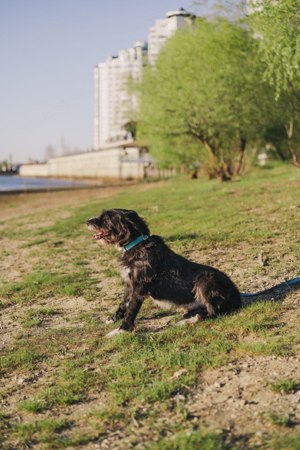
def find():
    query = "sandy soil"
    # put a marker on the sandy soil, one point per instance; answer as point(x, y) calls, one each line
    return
point(13, 205)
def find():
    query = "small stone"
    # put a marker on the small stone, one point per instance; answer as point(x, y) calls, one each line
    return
point(178, 374)
point(179, 397)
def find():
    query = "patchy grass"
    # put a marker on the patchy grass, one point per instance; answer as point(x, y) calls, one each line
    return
point(20, 358)
point(280, 420)
point(74, 387)
point(71, 387)
point(41, 285)
point(286, 386)
point(192, 441)
point(35, 242)
point(36, 317)
point(48, 433)
point(45, 429)
point(284, 442)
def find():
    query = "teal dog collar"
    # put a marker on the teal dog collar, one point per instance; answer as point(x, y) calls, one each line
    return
point(132, 244)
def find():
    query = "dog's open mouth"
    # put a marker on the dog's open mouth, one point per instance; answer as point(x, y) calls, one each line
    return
point(99, 235)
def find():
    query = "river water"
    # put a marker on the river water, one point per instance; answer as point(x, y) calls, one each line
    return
point(16, 183)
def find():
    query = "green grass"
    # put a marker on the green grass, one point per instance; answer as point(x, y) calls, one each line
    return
point(284, 442)
point(20, 358)
point(130, 379)
point(143, 369)
point(35, 242)
point(27, 430)
point(36, 317)
point(44, 431)
point(41, 285)
point(287, 386)
point(71, 388)
point(192, 441)
point(280, 420)
point(111, 272)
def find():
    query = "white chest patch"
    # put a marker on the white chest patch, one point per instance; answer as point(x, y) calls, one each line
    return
point(164, 304)
point(125, 271)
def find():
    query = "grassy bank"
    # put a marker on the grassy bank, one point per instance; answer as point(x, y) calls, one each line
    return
point(64, 385)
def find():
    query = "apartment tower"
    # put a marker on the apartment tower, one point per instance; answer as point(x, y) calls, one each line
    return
point(113, 101)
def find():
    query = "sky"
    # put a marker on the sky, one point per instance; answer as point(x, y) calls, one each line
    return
point(48, 49)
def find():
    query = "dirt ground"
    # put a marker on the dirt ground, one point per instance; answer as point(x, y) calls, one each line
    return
point(13, 205)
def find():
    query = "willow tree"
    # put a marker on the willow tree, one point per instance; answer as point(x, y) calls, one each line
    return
point(205, 100)
point(277, 25)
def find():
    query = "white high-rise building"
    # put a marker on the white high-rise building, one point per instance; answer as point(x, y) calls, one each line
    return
point(113, 102)
point(163, 29)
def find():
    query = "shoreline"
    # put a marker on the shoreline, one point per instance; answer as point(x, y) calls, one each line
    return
point(16, 204)
point(42, 190)
point(79, 184)
point(63, 188)
point(15, 183)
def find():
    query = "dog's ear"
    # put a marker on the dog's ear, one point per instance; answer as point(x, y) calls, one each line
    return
point(138, 224)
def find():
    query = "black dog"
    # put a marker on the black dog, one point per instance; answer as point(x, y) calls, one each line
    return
point(151, 268)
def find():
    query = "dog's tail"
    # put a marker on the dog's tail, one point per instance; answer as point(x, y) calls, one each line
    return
point(284, 284)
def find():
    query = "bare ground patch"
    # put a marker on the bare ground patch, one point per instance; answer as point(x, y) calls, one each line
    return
point(15, 260)
point(239, 398)
point(14, 205)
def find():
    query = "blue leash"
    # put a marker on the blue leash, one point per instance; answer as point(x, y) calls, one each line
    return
point(277, 286)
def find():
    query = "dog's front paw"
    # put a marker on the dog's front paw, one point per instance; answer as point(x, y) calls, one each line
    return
point(118, 315)
point(191, 321)
point(115, 332)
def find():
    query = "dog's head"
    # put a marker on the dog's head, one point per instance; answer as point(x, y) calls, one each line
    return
point(117, 226)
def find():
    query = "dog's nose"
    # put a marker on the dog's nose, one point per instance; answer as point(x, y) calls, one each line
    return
point(89, 223)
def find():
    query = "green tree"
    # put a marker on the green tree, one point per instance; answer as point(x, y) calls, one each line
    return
point(205, 99)
point(277, 25)
point(130, 127)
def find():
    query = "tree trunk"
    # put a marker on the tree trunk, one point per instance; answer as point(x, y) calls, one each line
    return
point(289, 131)
point(243, 142)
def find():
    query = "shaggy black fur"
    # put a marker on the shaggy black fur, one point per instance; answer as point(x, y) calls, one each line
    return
point(151, 268)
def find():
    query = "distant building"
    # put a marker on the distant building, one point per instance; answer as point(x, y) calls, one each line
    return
point(163, 29)
point(116, 154)
point(113, 102)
